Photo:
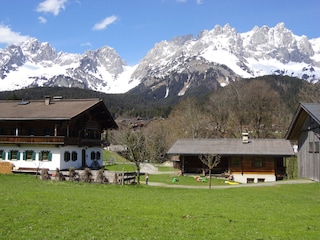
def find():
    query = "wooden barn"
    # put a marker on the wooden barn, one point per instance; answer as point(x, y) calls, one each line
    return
point(304, 131)
point(248, 160)
point(53, 133)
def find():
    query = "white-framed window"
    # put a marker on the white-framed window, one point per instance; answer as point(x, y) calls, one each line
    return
point(14, 155)
point(45, 155)
point(74, 156)
point(93, 156)
point(98, 155)
point(29, 155)
point(2, 155)
point(66, 156)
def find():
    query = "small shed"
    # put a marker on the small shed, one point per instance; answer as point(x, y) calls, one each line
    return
point(304, 131)
point(249, 160)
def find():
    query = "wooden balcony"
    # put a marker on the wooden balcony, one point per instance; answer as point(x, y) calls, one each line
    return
point(53, 140)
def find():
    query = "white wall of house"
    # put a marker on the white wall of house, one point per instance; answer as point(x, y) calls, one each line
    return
point(57, 156)
point(263, 177)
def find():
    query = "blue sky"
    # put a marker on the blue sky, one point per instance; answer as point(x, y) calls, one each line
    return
point(132, 27)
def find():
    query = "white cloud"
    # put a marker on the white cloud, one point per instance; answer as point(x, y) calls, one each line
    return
point(42, 20)
point(104, 23)
point(7, 36)
point(86, 44)
point(199, 1)
point(51, 6)
point(181, 1)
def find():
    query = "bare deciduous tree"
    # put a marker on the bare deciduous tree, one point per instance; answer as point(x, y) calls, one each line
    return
point(136, 149)
point(210, 160)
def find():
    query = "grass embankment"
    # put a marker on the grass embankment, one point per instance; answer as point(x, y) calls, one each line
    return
point(35, 209)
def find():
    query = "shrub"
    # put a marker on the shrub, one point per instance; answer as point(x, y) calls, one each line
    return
point(87, 175)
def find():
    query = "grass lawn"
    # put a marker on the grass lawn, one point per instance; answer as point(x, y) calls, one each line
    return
point(127, 167)
point(183, 180)
point(35, 209)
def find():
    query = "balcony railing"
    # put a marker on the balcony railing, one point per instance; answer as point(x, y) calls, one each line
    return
point(56, 140)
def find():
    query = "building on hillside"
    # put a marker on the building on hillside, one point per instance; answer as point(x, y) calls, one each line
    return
point(53, 133)
point(304, 131)
point(248, 160)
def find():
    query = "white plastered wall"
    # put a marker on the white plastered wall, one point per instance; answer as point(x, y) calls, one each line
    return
point(243, 178)
point(57, 156)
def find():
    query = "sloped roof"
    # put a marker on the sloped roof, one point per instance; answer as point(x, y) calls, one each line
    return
point(304, 110)
point(59, 109)
point(271, 147)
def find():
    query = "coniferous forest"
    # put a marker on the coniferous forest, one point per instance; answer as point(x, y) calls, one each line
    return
point(263, 107)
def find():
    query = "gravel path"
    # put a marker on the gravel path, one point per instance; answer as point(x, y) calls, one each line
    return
point(281, 182)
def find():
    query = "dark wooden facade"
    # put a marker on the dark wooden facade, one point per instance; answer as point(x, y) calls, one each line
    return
point(255, 160)
point(237, 165)
point(85, 128)
point(305, 132)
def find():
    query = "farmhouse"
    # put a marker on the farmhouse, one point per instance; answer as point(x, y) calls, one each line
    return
point(304, 131)
point(53, 133)
point(248, 160)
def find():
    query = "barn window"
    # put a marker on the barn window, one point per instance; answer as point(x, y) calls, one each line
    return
point(66, 156)
point(74, 156)
point(98, 155)
point(235, 162)
point(314, 147)
point(258, 163)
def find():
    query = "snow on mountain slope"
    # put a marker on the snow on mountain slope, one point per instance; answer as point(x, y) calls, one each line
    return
point(261, 51)
point(37, 64)
point(213, 58)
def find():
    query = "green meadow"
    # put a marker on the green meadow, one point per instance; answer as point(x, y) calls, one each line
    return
point(36, 209)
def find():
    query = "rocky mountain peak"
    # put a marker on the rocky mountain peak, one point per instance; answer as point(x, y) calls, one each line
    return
point(37, 51)
point(213, 58)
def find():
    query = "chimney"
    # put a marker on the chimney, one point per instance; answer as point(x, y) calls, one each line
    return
point(47, 100)
point(245, 137)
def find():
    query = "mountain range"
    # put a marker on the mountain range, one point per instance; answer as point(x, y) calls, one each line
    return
point(210, 60)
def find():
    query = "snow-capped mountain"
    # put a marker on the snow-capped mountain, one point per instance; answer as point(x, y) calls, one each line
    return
point(38, 64)
point(212, 59)
point(261, 51)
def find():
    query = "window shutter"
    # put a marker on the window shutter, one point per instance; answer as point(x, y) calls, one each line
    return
point(50, 156)
point(33, 156)
point(18, 155)
point(24, 155)
point(3, 155)
point(9, 155)
point(40, 156)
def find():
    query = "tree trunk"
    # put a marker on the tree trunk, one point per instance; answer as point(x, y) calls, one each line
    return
point(209, 178)
point(138, 174)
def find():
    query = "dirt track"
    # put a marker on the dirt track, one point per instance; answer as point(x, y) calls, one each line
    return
point(298, 181)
